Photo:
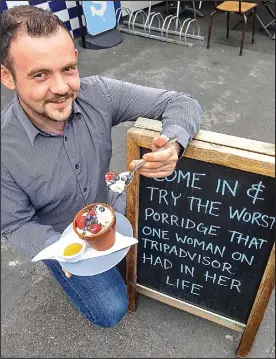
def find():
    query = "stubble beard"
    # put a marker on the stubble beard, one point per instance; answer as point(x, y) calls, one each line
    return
point(46, 115)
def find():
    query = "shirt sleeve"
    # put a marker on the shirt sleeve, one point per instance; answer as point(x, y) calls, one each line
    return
point(18, 222)
point(180, 113)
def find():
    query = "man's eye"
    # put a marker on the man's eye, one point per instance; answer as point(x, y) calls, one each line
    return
point(69, 69)
point(39, 76)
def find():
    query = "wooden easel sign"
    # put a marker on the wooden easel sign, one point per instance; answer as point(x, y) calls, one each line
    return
point(206, 233)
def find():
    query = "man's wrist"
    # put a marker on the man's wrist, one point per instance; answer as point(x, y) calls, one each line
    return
point(180, 149)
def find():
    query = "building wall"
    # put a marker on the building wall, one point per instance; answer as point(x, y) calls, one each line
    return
point(67, 11)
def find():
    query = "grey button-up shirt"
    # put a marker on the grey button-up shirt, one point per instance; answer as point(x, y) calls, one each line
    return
point(47, 179)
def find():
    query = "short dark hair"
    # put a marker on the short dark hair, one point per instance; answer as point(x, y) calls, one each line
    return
point(34, 21)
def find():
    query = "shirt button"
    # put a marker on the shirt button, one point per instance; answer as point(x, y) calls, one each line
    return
point(65, 138)
point(85, 189)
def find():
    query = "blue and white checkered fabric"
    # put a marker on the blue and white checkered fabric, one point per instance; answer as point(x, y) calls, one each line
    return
point(67, 11)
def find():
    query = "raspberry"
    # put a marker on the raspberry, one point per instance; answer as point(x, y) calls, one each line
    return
point(92, 212)
point(109, 176)
point(95, 228)
point(81, 222)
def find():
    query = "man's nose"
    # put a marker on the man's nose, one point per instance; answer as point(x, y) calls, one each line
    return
point(59, 86)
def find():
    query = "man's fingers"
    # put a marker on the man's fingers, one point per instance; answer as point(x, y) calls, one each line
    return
point(134, 164)
point(153, 166)
point(166, 168)
point(67, 274)
point(161, 156)
point(157, 159)
point(158, 142)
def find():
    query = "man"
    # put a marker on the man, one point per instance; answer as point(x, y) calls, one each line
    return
point(56, 146)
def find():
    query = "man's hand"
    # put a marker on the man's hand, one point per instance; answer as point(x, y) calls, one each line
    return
point(67, 274)
point(158, 164)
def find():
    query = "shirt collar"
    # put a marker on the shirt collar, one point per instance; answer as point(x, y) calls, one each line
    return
point(30, 129)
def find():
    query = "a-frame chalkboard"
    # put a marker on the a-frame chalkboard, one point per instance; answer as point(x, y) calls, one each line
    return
point(206, 233)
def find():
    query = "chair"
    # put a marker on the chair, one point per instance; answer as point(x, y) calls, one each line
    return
point(238, 7)
point(266, 4)
point(263, 4)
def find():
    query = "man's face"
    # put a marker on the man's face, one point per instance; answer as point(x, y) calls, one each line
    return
point(46, 76)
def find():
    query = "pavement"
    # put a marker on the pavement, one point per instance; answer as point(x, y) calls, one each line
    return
point(237, 95)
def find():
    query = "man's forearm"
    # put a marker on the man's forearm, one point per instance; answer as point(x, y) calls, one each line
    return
point(180, 113)
point(32, 237)
point(182, 116)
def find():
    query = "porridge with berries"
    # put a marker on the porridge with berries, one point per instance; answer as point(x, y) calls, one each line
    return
point(95, 220)
point(116, 182)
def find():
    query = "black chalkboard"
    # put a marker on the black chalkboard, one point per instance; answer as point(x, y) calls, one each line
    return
point(217, 265)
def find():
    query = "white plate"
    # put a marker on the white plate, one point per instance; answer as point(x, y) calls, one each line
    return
point(93, 266)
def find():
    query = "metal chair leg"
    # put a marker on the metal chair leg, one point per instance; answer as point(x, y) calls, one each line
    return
point(243, 32)
point(228, 19)
point(210, 27)
point(253, 24)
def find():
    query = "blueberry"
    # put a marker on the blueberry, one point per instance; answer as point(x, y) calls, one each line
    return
point(101, 209)
point(112, 181)
point(94, 217)
point(116, 178)
point(85, 228)
point(124, 178)
point(88, 217)
point(87, 223)
point(128, 179)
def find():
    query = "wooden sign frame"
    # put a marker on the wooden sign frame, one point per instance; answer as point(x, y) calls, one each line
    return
point(234, 152)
